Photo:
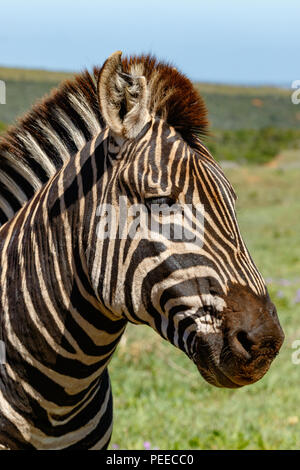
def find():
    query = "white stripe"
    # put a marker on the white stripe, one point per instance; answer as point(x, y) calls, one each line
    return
point(37, 153)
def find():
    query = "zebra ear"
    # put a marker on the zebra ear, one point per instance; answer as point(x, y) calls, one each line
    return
point(123, 98)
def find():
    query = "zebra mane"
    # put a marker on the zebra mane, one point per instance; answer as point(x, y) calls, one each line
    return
point(172, 95)
point(60, 124)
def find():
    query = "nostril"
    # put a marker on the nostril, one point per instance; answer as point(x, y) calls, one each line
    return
point(240, 344)
point(245, 341)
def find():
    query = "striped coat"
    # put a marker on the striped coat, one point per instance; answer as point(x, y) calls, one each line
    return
point(67, 292)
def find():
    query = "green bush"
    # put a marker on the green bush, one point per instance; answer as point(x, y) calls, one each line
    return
point(252, 145)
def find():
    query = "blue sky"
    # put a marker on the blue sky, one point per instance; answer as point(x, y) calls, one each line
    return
point(231, 41)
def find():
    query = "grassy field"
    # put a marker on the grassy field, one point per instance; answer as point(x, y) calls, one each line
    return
point(159, 398)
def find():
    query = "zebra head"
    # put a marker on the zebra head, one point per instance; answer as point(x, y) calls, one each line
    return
point(185, 270)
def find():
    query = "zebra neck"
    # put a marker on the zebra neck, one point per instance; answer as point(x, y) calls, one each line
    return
point(58, 339)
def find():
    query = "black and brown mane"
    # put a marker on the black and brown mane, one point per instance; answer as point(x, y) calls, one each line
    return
point(58, 126)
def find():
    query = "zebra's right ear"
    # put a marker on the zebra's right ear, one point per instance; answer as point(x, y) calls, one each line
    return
point(123, 98)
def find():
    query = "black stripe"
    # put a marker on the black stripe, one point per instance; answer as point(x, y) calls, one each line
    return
point(17, 178)
point(104, 423)
point(12, 200)
point(3, 218)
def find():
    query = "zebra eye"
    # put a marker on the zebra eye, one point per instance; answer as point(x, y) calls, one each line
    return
point(158, 201)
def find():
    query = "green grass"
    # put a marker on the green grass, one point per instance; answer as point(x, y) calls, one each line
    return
point(158, 394)
point(20, 96)
point(32, 75)
point(244, 111)
point(233, 90)
point(24, 87)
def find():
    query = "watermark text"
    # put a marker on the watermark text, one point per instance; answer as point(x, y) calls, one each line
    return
point(296, 353)
point(176, 222)
point(2, 352)
point(295, 97)
point(2, 92)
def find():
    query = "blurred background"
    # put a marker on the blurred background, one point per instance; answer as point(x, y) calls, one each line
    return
point(243, 57)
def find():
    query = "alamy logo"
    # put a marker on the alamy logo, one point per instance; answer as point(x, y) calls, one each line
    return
point(296, 94)
point(2, 352)
point(296, 354)
point(178, 222)
point(2, 92)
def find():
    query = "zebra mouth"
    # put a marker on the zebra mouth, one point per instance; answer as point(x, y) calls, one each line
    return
point(227, 373)
point(212, 373)
point(240, 351)
point(217, 378)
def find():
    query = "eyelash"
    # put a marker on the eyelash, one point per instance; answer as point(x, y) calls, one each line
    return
point(159, 200)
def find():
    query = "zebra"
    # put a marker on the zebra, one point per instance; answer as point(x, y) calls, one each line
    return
point(132, 129)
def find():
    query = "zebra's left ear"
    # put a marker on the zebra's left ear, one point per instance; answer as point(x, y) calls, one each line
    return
point(123, 98)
